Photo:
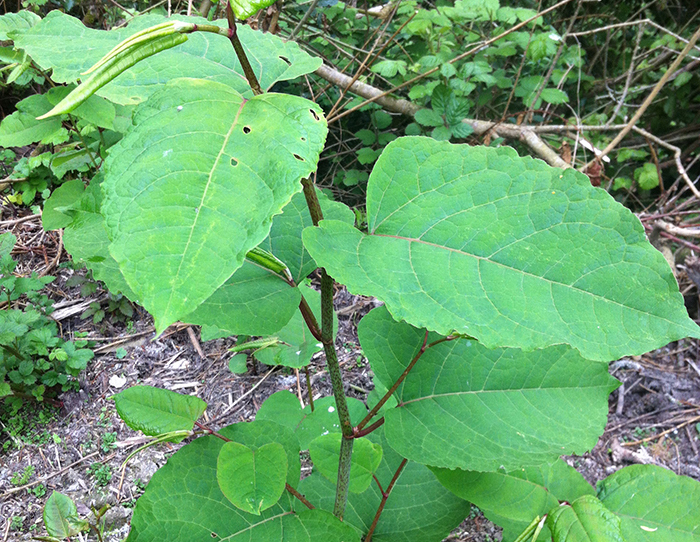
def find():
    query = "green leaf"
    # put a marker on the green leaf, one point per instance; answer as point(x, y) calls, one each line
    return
point(647, 176)
point(299, 345)
point(61, 517)
point(283, 408)
point(654, 504)
point(243, 9)
point(505, 249)
point(52, 216)
point(441, 133)
point(429, 117)
point(95, 110)
point(253, 480)
point(86, 240)
point(154, 411)
point(584, 520)
point(367, 155)
point(366, 456)
point(237, 365)
point(554, 96)
point(381, 119)
point(507, 408)
point(181, 230)
point(368, 137)
point(512, 499)
point(21, 127)
point(461, 130)
point(324, 419)
point(682, 79)
point(183, 503)
point(58, 43)
point(16, 23)
point(254, 301)
point(622, 182)
point(5, 389)
point(418, 509)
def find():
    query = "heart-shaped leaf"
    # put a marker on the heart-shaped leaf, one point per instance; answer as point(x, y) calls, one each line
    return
point(584, 520)
point(366, 456)
point(61, 517)
point(654, 504)
point(506, 249)
point(183, 209)
point(155, 411)
point(253, 480)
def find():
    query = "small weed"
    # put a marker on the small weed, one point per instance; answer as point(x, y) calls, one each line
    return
point(21, 478)
point(16, 523)
point(101, 473)
point(38, 491)
point(108, 442)
point(105, 418)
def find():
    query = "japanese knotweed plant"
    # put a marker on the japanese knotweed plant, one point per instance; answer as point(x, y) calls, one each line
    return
point(507, 285)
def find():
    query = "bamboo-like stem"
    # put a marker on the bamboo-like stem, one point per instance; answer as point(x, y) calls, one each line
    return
point(341, 403)
point(385, 497)
point(240, 53)
point(310, 319)
point(309, 390)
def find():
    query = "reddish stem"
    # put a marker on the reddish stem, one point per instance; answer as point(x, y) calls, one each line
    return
point(299, 496)
point(385, 497)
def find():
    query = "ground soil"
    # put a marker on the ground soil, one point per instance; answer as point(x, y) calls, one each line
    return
point(79, 450)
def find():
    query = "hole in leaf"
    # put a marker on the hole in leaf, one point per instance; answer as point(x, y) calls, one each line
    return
point(214, 535)
point(314, 114)
point(299, 158)
point(246, 129)
point(303, 139)
point(234, 162)
point(285, 59)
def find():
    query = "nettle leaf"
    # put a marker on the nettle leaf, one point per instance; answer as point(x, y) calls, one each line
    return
point(61, 517)
point(429, 117)
point(299, 345)
point(513, 499)
point(155, 411)
point(584, 520)
point(419, 509)
point(653, 504)
point(506, 249)
point(253, 480)
point(63, 44)
point(183, 503)
point(181, 209)
point(366, 456)
point(647, 176)
point(507, 408)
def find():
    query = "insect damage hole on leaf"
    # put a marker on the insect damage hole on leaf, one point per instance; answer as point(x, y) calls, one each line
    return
point(285, 60)
point(313, 113)
point(299, 158)
point(234, 162)
point(246, 129)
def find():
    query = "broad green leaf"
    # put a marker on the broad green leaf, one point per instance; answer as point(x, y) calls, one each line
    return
point(428, 117)
point(254, 301)
point(183, 211)
point(154, 411)
point(21, 127)
point(419, 509)
point(5, 389)
point(95, 110)
point(253, 480)
point(366, 456)
point(584, 520)
point(512, 499)
point(506, 249)
point(482, 409)
point(654, 504)
point(243, 9)
point(299, 345)
point(86, 240)
point(324, 419)
point(260, 433)
point(554, 96)
point(53, 216)
point(61, 517)
point(17, 23)
point(183, 503)
point(63, 44)
point(281, 407)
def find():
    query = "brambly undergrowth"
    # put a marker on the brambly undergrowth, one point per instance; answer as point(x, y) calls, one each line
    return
point(508, 286)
